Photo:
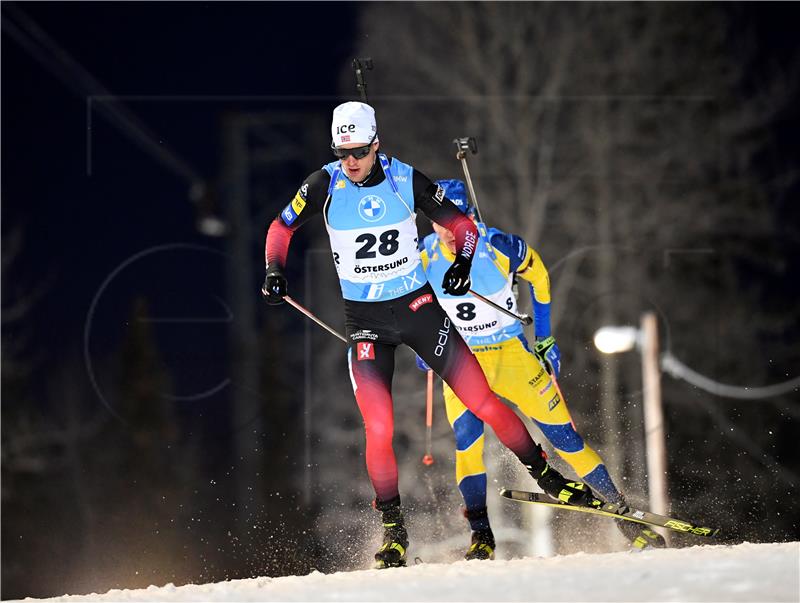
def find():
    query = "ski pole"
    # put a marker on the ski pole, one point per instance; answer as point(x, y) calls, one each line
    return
point(427, 459)
point(359, 65)
point(523, 318)
point(468, 143)
point(314, 318)
point(463, 145)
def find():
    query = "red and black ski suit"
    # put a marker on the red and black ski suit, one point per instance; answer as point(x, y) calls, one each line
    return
point(376, 328)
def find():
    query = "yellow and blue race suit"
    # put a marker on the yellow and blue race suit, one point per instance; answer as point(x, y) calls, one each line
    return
point(511, 369)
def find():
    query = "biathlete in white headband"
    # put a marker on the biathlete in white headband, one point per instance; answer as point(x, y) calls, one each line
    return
point(369, 203)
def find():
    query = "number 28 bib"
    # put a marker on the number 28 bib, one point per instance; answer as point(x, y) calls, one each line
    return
point(373, 234)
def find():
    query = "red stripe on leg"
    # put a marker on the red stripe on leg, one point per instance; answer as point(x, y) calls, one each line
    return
point(468, 382)
point(375, 403)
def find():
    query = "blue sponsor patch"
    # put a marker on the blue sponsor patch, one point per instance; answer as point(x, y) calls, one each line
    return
point(288, 215)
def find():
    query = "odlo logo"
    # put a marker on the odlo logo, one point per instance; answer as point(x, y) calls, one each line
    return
point(366, 350)
point(443, 334)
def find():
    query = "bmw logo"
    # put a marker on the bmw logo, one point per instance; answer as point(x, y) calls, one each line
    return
point(372, 208)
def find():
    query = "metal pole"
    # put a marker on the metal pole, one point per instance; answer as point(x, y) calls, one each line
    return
point(311, 315)
point(523, 318)
point(359, 66)
point(654, 418)
point(427, 459)
point(463, 145)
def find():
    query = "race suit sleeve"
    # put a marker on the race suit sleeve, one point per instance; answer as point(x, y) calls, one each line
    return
point(526, 263)
point(308, 202)
point(430, 199)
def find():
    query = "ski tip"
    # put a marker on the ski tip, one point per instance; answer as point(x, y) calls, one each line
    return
point(505, 492)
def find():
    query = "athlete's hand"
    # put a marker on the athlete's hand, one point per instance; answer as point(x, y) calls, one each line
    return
point(274, 288)
point(421, 364)
point(456, 280)
point(548, 354)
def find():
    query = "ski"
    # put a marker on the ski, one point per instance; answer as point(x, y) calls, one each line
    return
point(616, 511)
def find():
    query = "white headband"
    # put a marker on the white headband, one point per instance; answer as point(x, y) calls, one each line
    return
point(353, 122)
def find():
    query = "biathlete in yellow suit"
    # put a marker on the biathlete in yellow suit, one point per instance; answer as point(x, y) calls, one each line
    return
point(512, 369)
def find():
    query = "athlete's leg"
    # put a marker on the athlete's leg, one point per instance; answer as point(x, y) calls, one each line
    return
point(428, 330)
point(524, 381)
point(371, 368)
point(470, 470)
point(520, 378)
point(583, 459)
point(471, 475)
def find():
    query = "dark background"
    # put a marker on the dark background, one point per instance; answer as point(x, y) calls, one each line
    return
point(140, 478)
point(119, 443)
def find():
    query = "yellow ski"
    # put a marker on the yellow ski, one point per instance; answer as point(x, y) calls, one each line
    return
point(615, 511)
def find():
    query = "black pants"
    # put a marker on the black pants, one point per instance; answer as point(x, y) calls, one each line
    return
point(374, 330)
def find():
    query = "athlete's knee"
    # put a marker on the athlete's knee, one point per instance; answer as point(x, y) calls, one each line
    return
point(482, 405)
point(467, 429)
point(378, 431)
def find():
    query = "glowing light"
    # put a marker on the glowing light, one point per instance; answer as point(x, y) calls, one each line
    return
point(613, 340)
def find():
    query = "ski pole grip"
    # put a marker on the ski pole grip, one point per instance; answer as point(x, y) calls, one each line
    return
point(359, 66)
point(464, 144)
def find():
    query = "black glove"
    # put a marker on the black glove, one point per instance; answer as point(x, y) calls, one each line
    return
point(274, 287)
point(456, 280)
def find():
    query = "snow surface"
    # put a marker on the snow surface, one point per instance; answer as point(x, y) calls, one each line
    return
point(745, 572)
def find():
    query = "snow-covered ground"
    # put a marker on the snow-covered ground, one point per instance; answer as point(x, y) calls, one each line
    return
point(745, 572)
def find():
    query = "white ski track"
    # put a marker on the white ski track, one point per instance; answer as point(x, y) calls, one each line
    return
point(744, 572)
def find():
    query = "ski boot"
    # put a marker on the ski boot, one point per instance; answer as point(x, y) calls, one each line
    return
point(642, 537)
point(395, 538)
point(556, 485)
point(482, 546)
